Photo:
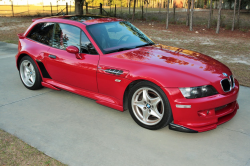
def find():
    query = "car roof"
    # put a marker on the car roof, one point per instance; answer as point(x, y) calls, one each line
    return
point(85, 19)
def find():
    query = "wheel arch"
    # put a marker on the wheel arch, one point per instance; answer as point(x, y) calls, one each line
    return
point(20, 57)
point(129, 87)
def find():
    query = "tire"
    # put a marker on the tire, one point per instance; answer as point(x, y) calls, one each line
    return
point(149, 106)
point(29, 73)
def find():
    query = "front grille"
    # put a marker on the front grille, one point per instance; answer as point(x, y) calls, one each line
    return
point(220, 108)
point(227, 84)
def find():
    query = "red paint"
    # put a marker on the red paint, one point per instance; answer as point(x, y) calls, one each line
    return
point(168, 67)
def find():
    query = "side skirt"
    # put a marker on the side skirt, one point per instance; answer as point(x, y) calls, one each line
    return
point(100, 98)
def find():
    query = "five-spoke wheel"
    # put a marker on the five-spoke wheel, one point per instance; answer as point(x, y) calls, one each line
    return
point(29, 73)
point(149, 106)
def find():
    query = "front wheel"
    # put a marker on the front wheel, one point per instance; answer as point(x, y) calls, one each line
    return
point(149, 106)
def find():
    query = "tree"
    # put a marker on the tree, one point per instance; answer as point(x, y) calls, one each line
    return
point(219, 16)
point(167, 14)
point(133, 11)
point(79, 7)
point(234, 14)
point(210, 15)
point(188, 13)
point(191, 16)
point(238, 18)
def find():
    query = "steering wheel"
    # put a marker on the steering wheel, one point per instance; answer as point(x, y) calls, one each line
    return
point(122, 38)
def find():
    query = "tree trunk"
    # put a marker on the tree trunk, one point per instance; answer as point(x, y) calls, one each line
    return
point(210, 15)
point(188, 13)
point(78, 7)
point(133, 11)
point(219, 16)
point(167, 14)
point(235, 3)
point(174, 10)
point(129, 6)
point(238, 18)
point(191, 16)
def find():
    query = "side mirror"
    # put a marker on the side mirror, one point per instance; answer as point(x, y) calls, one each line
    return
point(74, 50)
point(20, 36)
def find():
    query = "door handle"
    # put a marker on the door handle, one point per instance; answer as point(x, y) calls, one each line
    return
point(52, 56)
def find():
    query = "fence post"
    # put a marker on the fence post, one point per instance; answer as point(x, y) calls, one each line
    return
point(87, 8)
point(28, 8)
point(12, 8)
point(115, 10)
point(67, 8)
point(142, 12)
point(51, 8)
point(101, 8)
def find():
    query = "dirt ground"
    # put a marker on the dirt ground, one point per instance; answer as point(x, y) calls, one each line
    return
point(231, 48)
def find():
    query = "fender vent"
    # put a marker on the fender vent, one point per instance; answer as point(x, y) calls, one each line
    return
point(114, 71)
point(43, 69)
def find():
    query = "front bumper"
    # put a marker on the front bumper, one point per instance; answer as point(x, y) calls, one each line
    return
point(205, 113)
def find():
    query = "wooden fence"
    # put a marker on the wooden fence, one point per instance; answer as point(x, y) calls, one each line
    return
point(25, 10)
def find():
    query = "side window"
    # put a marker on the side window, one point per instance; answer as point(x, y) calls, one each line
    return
point(86, 45)
point(42, 33)
point(66, 35)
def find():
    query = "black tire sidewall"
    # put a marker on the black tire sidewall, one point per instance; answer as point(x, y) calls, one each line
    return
point(38, 80)
point(167, 117)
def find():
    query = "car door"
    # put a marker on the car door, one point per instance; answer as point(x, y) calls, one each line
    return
point(64, 67)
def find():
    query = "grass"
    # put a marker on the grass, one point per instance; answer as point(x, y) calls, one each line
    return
point(14, 151)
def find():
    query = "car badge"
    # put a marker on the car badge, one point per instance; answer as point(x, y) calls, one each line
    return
point(225, 74)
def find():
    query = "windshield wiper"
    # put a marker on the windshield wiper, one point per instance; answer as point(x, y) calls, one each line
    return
point(148, 44)
point(120, 49)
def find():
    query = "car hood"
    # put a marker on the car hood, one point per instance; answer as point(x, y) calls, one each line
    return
point(181, 60)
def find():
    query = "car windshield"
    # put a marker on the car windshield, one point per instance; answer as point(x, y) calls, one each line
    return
point(118, 36)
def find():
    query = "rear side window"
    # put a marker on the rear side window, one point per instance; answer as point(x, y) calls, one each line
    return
point(66, 35)
point(42, 33)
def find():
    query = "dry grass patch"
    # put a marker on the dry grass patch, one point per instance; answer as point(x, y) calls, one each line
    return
point(13, 151)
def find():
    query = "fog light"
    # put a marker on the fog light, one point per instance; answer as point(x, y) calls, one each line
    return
point(205, 113)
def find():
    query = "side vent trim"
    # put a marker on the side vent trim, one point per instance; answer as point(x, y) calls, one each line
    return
point(43, 69)
point(114, 71)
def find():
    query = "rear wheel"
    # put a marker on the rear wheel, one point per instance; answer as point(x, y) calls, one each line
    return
point(149, 106)
point(29, 73)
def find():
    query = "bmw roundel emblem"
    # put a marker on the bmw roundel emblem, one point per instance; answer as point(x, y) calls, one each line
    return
point(225, 74)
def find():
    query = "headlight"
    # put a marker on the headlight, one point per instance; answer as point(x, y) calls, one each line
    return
point(198, 92)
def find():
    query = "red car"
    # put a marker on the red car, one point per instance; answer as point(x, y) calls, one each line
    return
point(114, 63)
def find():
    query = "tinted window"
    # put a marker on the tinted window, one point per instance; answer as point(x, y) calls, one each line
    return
point(86, 45)
point(66, 35)
point(118, 36)
point(42, 33)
